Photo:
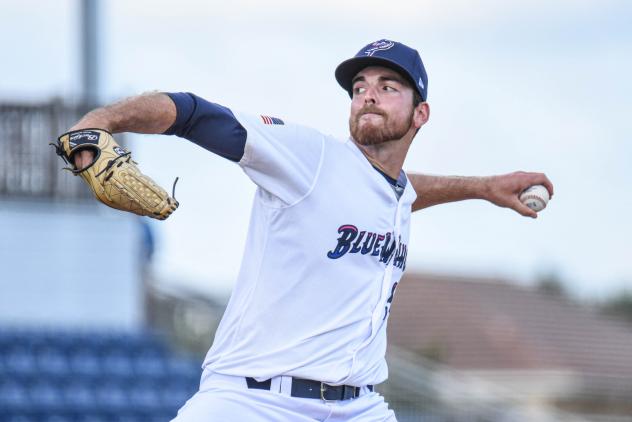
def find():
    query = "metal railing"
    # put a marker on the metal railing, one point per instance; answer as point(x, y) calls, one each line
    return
point(422, 390)
point(28, 165)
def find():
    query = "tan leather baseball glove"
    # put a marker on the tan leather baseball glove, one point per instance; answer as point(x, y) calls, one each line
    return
point(113, 176)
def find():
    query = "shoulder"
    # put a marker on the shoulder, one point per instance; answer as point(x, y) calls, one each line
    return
point(279, 129)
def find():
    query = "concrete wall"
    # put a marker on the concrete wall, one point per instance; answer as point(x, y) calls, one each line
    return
point(69, 264)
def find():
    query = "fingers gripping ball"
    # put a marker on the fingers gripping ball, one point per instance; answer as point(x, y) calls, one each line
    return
point(535, 197)
point(113, 176)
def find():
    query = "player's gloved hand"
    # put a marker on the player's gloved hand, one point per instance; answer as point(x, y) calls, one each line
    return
point(112, 174)
point(504, 190)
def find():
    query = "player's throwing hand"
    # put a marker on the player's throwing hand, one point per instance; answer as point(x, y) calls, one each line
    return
point(504, 190)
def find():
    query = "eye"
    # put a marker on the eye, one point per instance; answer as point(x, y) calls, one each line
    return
point(389, 88)
point(359, 90)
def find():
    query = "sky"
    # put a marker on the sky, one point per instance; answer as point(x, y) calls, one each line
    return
point(534, 86)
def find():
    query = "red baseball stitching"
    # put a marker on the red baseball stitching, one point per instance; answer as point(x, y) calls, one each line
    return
point(531, 196)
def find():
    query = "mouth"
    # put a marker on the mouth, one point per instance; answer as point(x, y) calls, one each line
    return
point(371, 115)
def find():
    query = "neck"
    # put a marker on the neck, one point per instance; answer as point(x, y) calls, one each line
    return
point(388, 156)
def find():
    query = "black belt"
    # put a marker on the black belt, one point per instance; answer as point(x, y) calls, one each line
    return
point(309, 389)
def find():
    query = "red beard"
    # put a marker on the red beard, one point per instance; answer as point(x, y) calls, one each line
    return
point(373, 134)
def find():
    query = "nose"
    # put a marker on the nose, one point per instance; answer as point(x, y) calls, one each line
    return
point(370, 95)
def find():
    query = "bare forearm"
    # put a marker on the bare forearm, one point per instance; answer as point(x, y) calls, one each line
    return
point(501, 190)
point(147, 113)
point(434, 190)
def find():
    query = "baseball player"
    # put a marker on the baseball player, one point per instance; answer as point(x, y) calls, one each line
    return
point(303, 337)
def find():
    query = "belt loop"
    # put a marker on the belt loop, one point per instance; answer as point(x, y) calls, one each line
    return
point(285, 387)
point(275, 384)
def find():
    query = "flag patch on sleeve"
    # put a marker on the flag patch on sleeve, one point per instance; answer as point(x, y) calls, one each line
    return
point(272, 120)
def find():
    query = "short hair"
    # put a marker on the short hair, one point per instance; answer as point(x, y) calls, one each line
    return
point(416, 98)
point(416, 95)
point(416, 101)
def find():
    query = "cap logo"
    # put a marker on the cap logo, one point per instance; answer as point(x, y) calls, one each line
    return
point(421, 83)
point(380, 45)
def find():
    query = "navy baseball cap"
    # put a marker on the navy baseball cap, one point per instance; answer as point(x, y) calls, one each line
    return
point(387, 53)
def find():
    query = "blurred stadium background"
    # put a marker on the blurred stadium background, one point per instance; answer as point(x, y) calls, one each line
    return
point(83, 340)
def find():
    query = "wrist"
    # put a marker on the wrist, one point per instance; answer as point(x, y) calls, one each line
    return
point(93, 119)
point(484, 188)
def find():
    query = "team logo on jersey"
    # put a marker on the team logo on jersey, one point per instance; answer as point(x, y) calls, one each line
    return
point(380, 45)
point(382, 246)
point(272, 120)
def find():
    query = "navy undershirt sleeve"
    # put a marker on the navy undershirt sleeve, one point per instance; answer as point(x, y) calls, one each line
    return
point(209, 125)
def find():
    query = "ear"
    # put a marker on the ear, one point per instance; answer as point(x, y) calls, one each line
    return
point(421, 114)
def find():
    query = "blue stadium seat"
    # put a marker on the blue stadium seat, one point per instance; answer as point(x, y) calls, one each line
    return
point(19, 361)
point(84, 362)
point(90, 417)
point(60, 340)
point(92, 342)
point(161, 416)
point(51, 361)
point(7, 340)
point(78, 396)
point(173, 397)
point(46, 396)
point(55, 417)
point(132, 417)
point(117, 364)
point(144, 396)
point(184, 368)
point(17, 417)
point(13, 396)
point(150, 366)
point(84, 376)
point(111, 397)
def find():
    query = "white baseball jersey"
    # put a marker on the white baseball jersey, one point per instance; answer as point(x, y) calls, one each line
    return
point(326, 247)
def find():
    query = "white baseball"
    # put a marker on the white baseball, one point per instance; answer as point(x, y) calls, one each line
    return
point(535, 197)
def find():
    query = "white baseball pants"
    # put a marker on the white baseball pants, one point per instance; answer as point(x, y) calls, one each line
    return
point(228, 399)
